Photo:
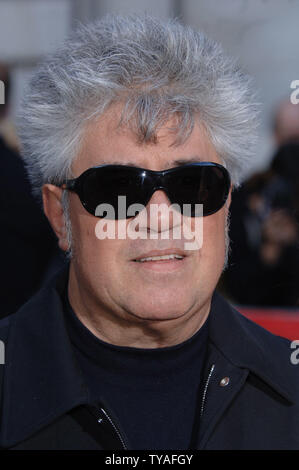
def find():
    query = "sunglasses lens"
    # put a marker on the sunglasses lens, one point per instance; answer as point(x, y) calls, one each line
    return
point(207, 185)
point(109, 191)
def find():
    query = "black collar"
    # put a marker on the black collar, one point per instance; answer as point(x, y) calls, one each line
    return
point(42, 380)
point(246, 345)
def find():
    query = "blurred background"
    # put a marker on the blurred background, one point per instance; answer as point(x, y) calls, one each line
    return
point(263, 270)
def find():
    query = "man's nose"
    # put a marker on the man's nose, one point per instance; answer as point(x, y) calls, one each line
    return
point(160, 216)
point(159, 197)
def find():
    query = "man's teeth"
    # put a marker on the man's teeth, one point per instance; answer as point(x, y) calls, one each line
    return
point(158, 258)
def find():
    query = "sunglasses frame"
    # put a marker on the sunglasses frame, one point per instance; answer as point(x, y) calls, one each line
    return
point(76, 184)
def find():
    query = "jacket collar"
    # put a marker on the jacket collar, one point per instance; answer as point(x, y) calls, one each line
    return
point(42, 380)
point(246, 345)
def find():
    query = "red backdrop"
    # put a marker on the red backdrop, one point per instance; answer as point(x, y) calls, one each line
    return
point(279, 321)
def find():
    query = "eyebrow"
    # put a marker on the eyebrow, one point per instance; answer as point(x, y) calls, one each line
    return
point(119, 163)
point(184, 161)
point(179, 162)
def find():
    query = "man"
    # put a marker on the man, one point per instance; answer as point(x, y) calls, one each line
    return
point(130, 348)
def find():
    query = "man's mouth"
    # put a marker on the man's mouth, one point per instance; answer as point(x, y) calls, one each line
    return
point(172, 259)
point(160, 258)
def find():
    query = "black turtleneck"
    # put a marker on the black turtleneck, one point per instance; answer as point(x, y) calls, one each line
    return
point(153, 393)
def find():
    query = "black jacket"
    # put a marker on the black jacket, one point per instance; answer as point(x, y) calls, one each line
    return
point(250, 393)
point(27, 242)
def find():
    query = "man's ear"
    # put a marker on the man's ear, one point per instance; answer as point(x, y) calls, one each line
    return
point(229, 199)
point(52, 196)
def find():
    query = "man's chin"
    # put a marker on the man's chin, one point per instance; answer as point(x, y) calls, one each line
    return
point(159, 314)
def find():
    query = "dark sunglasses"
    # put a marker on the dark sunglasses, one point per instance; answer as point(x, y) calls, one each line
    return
point(193, 183)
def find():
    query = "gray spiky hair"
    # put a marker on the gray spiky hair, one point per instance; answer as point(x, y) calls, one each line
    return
point(158, 69)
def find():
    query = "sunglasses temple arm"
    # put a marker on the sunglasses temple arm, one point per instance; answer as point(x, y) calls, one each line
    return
point(68, 184)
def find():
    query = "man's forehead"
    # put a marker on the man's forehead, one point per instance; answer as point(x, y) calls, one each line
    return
point(118, 121)
point(104, 143)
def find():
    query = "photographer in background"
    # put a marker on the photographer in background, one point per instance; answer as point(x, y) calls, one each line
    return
point(264, 234)
point(26, 240)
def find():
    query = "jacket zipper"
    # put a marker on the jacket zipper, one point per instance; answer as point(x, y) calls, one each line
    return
point(201, 410)
point(115, 429)
point(206, 389)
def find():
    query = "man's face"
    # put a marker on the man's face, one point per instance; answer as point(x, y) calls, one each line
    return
point(107, 270)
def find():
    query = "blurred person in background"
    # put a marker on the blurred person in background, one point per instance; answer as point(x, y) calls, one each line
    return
point(28, 246)
point(286, 123)
point(264, 224)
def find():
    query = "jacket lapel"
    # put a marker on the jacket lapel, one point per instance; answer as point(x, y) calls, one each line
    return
point(216, 397)
point(238, 347)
